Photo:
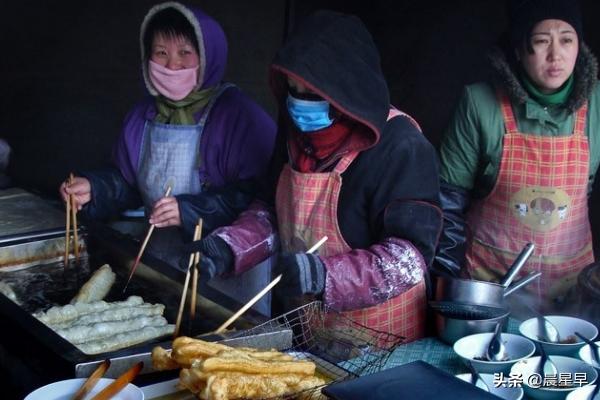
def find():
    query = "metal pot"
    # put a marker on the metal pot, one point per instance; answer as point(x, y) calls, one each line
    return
point(450, 328)
point(486, 293)
point(478, 292)
point(587, 294)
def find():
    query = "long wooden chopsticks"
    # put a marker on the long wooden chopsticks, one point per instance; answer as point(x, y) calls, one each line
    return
point(260, 294)
point(119, 383)
point(143, 247)
point(249, 304)
point(71, 219)
point(67, 228)
point(92, 380)
point(74, 221)
point(193, 263)
point(195, 275)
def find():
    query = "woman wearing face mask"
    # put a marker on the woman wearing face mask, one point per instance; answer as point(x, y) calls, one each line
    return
point(347, 166)
point(202, 137)
point(519, 158)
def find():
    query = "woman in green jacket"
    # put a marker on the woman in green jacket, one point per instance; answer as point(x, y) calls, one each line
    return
point(519, 157)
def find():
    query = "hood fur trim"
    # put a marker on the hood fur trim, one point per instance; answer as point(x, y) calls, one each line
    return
point(189, 15)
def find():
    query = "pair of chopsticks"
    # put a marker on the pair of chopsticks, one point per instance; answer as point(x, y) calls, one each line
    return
point(92, 380)
point(71, 212)
point(260, 294)
point(192, 266)
point(115, 387)
point(143, 247)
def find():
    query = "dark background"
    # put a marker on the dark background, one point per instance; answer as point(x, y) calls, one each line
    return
point(70, 70)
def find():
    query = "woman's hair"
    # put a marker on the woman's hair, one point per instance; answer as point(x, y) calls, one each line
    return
point(523, 15)
point(170, 23)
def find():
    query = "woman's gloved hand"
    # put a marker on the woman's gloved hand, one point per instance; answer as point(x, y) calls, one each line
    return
point(216, 258)
point(302, 273)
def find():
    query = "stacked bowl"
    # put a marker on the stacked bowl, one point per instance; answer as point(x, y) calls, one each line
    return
point(572, 374)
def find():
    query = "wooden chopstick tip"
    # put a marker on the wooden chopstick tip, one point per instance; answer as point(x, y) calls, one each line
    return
point(119, 383)
point(316, 246)
point(92, 380)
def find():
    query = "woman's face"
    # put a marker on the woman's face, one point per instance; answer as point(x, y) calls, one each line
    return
point(555, 47)
point(300, 91)
point(174, 52)
point(298, 87)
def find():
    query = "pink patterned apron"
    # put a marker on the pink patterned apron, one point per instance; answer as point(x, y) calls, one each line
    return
point(540, 197)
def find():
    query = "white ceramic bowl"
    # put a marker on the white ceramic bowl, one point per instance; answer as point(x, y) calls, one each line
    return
point(566, 326)
point(504, 391)
point(585, 353)
point(582, 393)
point(64, 390)
point(527, 370)
point(475, 346)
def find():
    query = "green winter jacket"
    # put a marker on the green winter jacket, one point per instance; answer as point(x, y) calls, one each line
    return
point(471, 150)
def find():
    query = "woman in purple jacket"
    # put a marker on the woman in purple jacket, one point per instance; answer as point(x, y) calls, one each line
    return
point(202, 137)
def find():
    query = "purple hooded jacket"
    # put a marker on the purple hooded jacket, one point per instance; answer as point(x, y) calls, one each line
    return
point(239, 136)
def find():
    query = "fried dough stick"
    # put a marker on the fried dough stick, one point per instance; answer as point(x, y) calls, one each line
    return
point(245, 386)
point(186, 350)
point(235, 385)
point(250, 366)
point(253, 354)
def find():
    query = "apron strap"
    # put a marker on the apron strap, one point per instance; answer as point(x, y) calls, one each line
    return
point(580, 118)
point(212, 102)
point(345, 162)
point(394, 112)
point(510, 123)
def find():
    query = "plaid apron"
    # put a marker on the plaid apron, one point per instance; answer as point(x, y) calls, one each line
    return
point(307, 210)
point(540, 197)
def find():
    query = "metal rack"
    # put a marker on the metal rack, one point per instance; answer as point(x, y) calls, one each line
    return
point(340, 347)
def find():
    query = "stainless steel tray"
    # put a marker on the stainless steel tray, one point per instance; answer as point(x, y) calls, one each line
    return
point(31, 354)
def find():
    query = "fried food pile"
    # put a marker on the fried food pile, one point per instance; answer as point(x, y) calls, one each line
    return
point(96, 326)
point(215, 371)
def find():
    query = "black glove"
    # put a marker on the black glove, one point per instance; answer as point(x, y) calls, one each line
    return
point(216, 258)
point(303, 273)
point(450, 255)
point(218, 206)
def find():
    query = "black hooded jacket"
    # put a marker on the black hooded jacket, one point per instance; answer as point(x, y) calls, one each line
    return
point(389, 194)
point(346, 72)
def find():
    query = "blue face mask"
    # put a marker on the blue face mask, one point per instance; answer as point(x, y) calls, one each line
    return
point(309, 115)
